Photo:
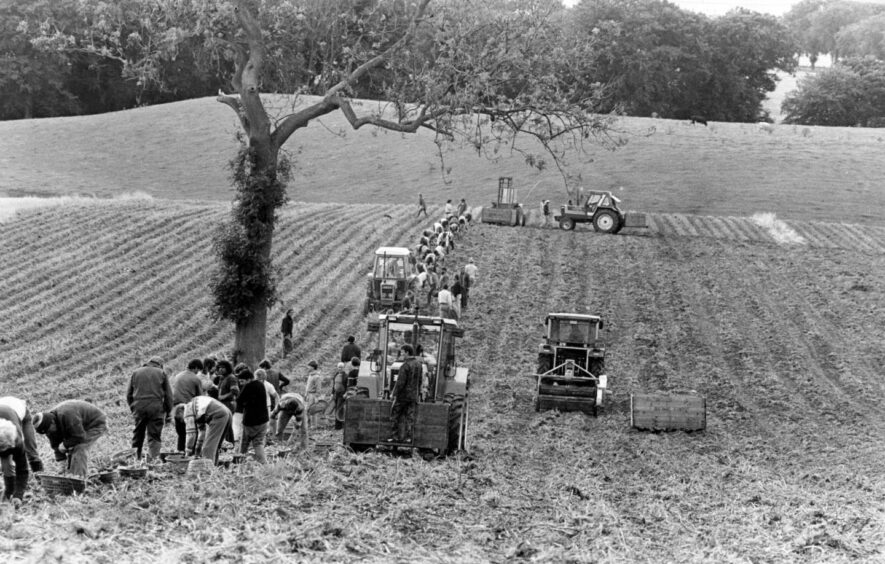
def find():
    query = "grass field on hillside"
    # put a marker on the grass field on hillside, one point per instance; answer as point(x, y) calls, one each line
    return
point(784, 341)
point(180, 151)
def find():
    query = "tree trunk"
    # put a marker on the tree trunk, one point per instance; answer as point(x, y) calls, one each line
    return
point(249, 339)
point(249, 342)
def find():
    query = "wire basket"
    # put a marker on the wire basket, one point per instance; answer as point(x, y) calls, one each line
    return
point(197, 466)
point(127, 472)
point(178, 463)
point(55, 485)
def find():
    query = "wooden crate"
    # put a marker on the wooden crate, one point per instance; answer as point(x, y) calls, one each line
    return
point(668, 412)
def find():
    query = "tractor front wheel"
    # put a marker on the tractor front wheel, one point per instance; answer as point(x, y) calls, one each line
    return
point(605, 222)
point(567, 224)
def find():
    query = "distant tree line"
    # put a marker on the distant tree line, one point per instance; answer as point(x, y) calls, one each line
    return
point(840, 28)
point(68, 57)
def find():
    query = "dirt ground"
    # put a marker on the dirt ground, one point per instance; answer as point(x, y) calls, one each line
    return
point(783, 341)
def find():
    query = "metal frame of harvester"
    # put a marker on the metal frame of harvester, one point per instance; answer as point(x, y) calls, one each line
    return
point(506, 211)
point(442, 414)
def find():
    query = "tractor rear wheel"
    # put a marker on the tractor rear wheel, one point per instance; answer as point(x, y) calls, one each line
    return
point(567, 224)
point(605, 222)
point(456, 409)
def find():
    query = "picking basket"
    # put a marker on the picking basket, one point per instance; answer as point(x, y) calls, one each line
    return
point(61, 485)
point(127, 472)
point(197, 466)
point(178, 463)
point(109, 477)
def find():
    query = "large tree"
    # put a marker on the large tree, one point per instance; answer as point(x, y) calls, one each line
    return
point(483, 73)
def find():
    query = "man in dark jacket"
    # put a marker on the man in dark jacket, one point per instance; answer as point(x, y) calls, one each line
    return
point(18, 447)
point(350, 350)
point(274, 376)
point(72, 427)
point(186, 385)
point(150, 400)
point(252, 401)
point(405, 397)
point(286, 327)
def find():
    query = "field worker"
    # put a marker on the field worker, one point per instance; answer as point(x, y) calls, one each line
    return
point(272, 396)
point(186, 385)
point(353, 372)
point(17, 411)
point(252, 401)
point(422, 206)
point(312, 389)
point(339, 386)
point(464, 280)
point(206, 422)
point(228, 390)
point(471, 270)
point(462, 207)
point(292, 406)
point(72, 427)
point(405, 397)
point(350, 349)
point(286, 327)
point(456, 296)
point(274, 376)
point(545, 211)
point(206, 375)
point(18, 447)
point(150, 400)
point(450, 209)
point(445, 301)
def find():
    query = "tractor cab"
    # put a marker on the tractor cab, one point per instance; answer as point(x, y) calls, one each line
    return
point(571, 364)
point(390, 278)
point(441, 416)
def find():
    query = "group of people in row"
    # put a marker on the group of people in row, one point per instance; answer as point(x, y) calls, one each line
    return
point(210, 402)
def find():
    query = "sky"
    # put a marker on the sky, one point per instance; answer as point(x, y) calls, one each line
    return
point(720, 7)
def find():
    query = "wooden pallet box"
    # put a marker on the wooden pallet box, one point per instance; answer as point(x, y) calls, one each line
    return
point(668, 412)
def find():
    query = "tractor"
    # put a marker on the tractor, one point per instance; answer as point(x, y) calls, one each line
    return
point(441, 417)
point(602, 210)
point(571, 364)
point(506, 211)
point(391, 278)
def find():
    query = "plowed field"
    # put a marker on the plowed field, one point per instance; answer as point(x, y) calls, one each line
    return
point(783, 339)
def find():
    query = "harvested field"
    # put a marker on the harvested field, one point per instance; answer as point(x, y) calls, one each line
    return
point(783, 340)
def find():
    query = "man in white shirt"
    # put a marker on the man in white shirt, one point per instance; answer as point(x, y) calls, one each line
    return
point(446, 302)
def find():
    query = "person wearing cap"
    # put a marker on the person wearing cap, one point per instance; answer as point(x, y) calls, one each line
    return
point(252, 402)
point(72, 427)
point(312, 389)
point(206, 422)
point(350, 350)
point(405, 397)
point(150, 400)
point(186, 385)
point(291, 406)
point(18, 447)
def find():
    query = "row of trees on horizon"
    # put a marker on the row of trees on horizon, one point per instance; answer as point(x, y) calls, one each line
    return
point(639, 57)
